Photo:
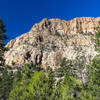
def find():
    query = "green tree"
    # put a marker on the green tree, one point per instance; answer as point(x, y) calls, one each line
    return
point(94, 84)
point(86, 95)
point(20, 83)
point(65, 66)
point(5, 84)
point(5, 75)
point(39, 87)
point(97, 38)
point(74, 68)
point(30, 85)
point(2, 40)
point(68, 89)
point(51, 82)
point(92, 92)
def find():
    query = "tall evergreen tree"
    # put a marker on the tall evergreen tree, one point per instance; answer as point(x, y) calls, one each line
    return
point(94, 85)
point(29, 85)
point(5, 84)
point(97, 39)
point(3, 37)
point(68, 89)
point(20, 82)
point(5, 75)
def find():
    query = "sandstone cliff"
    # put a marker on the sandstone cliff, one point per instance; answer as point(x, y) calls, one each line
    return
point(49, 41)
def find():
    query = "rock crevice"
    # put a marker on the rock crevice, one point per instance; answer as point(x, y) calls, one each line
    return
point(49, 41)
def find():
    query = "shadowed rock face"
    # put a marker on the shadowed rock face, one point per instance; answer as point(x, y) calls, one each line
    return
point(49, 41)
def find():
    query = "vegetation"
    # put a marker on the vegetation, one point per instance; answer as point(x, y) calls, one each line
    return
point(2, 40)
point(6, 77)
point(6, 80)
point(97, 39)
point(29, 85)
point(94, 85)
point(65, 66)
point(34, 83)
point(68, 89)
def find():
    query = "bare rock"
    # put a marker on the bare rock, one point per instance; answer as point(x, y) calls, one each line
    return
point(49, 41)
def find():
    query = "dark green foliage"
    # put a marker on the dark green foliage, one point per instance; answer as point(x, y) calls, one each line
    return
point(86, 95)
point(68, 89)
point(21, 80)
point(51, 82)
point(5, 84)
point(34, 83)
point(92, 92)
point(94, 85)
point(95, 70)
point(65, 66)
point(2, 33)
point(97, 38)
point(30, 85)
point(74, 71)
point(2, 40)
point(5, 76)
point(51, 77)
point(73, 67)
point(39, 87)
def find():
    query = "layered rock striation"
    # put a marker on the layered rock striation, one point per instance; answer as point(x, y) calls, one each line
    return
point(49, 41)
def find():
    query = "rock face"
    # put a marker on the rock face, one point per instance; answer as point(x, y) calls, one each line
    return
point(49, 41)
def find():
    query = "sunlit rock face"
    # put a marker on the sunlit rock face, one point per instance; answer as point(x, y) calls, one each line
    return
point(49, 41)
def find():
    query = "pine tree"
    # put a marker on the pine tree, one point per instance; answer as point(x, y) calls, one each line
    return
point(52, 83)
point(97, 38)
point(5, 76)
point(94, 84)
point(65, 66)
point(5, 84)
point(86, 95)
point(20, 83)
point(30, 85)
point(68, 89)
point(2, 40)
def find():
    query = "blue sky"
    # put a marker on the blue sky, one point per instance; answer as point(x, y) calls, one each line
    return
point(20, 15)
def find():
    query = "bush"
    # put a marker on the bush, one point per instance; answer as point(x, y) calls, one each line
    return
point(97, 39)
point(94, 84)
point(30, 85)
point(6, 80)
point(68, 89)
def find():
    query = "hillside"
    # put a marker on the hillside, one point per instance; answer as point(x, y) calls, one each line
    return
point(55, 60)
point(49, 41)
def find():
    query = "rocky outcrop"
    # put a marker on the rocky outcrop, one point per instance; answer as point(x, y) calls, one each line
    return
point(49, 41)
